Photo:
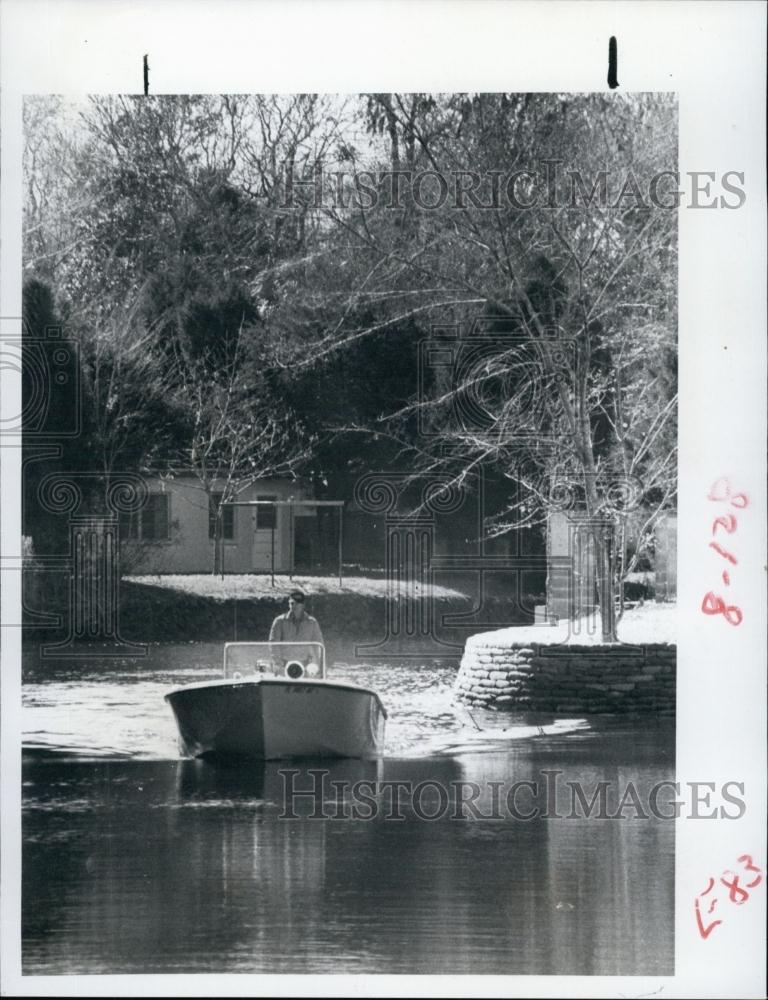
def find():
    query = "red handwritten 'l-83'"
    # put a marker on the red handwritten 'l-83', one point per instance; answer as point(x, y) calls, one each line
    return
point(704, 908)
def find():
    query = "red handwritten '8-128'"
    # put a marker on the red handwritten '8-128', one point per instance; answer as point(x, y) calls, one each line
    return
point(712, 603)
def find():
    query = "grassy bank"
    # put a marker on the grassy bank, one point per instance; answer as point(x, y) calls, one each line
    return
point(204, 608)
point(249, 586)
point(207, 608)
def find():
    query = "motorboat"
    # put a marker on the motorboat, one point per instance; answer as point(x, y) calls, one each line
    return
point(274, 701)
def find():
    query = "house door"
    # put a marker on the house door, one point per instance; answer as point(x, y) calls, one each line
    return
point(265, 535)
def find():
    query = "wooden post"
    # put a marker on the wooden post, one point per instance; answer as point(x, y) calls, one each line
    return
point(290, 539)
point(274, 518)
point(222, 534)
point(604, 553)
point(341, 536)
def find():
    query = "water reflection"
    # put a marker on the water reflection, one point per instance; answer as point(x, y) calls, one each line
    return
point(168, 866)
point(136, 861)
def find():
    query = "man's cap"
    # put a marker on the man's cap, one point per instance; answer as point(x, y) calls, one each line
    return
point(298, 596)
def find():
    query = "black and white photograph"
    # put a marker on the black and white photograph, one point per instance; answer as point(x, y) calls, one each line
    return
point(353, 446)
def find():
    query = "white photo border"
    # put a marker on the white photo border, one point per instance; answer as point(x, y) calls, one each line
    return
point(713, 56)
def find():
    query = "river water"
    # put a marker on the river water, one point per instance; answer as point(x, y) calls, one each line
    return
point(137, 861)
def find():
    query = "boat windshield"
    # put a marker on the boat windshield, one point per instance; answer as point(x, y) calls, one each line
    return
point(275, 659)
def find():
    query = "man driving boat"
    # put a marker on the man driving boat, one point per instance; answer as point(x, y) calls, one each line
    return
point(295, 625)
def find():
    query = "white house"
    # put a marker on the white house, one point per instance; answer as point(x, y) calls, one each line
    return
point(174, 532)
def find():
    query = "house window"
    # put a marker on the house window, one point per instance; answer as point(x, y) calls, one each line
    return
point(151, 523)
point(154, 518)
point(266, 516)
point(227, 518)
point(129, 526)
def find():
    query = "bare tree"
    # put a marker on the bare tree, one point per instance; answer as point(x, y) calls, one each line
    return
point(126, 385)
point(575, 268)
point(238, 433)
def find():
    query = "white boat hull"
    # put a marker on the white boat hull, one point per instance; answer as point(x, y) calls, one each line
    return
point(269, 718)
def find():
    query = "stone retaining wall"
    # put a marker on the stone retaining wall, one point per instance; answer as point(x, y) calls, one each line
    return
point(592, 679)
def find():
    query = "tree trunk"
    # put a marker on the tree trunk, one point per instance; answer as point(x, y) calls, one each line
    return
point(604, 558)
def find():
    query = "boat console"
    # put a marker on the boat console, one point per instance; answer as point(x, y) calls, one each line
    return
point(292, 660)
